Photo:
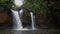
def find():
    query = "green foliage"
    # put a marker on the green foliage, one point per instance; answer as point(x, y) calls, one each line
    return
point(41, 5)
point(54, 8)
point(36, 5)
point(8, 3)
point(55, 3)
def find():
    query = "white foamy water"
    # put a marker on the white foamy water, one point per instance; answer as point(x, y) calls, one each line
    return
point(18, 2)
point(32, 19)
point(17, 20)
point(17, 17)
point(21, 12)
point(18, 23)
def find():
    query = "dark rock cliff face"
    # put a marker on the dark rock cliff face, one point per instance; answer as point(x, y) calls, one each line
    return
point(5, 17)
point(56, 18)
point(41, 21)
point(26, 19)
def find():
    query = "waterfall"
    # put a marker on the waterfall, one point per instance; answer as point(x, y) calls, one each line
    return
point(21, 12)
point(17, 16)
point(32, 19)
point(17, 20)
point(18, 3)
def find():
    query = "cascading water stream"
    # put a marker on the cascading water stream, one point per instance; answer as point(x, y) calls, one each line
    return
point(32, 19)
point(21, 12)
point(17, 21)
point(17, 15)
point(18, 3)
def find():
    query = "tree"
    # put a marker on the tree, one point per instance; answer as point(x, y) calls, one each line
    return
point(7, 3)
point(36, 5)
